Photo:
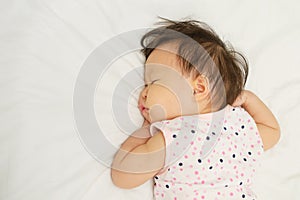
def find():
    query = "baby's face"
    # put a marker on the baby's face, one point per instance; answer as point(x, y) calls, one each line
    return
point(167, 93)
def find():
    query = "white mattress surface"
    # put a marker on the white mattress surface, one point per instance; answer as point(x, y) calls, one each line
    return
point(44, 44)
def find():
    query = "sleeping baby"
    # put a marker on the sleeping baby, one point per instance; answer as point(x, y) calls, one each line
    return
point(203, 133)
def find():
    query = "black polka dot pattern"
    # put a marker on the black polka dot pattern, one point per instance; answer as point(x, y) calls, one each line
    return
point(213, 146)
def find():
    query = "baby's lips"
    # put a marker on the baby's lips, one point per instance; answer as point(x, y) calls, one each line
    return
point(142, 107)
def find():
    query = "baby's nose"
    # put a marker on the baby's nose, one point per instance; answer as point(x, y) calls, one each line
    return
point(144, 92)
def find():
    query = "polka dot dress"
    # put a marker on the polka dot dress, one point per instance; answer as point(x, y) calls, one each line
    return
point(209, 156)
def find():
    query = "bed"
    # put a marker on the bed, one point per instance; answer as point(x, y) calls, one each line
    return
point(44, 48)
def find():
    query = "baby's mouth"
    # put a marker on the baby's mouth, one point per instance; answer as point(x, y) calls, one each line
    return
point(142, 108)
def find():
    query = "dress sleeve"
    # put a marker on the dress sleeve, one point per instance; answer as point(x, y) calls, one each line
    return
point(177, 139)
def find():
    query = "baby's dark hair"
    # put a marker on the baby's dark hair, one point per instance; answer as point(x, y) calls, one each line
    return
point(196, 42)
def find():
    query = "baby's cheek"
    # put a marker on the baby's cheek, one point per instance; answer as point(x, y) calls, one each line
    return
point(157, 113)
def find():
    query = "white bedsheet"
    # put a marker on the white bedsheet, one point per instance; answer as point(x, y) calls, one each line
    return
point(43, 45)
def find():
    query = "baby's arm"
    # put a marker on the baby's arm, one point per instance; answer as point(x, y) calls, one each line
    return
point(139, 159)
point(267, 124)
point(138, 137)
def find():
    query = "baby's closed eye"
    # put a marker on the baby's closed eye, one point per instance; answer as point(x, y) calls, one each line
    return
point(150, 83)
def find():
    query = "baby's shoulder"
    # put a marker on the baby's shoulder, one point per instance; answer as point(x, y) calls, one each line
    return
point(238, 115)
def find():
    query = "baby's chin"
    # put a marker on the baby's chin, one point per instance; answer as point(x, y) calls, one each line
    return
point(146, 116)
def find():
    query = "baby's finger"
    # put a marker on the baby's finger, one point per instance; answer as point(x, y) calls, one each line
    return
point(237, 102)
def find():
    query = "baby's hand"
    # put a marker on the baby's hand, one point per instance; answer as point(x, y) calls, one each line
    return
point(241, 99)
point(145, 123)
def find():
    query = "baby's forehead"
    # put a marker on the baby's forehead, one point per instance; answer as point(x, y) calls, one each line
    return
point(163, 57)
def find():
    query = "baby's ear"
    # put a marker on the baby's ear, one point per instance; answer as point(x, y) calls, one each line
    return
point(201, 87)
